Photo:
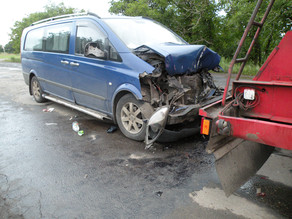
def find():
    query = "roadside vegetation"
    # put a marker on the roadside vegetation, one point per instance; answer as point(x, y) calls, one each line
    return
point(216, 24)
point(7, 57)
point(250, 68)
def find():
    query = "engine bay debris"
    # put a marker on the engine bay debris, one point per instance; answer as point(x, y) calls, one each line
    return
point(180, 80)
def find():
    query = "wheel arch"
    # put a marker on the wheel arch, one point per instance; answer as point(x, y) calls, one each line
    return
point(120, 92)
point(31, 75)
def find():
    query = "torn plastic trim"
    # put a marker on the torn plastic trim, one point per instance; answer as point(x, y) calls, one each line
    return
point(155, 125)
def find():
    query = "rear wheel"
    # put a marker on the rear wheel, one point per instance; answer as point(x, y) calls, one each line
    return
point(130, 118)
point(36, 90)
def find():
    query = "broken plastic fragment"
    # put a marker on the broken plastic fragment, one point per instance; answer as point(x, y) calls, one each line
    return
point(112, 129)
point(262, 194)
point(49, 110)
point(159, 193)
point(81, 132)
point(155, 125)
point(51, 123)
point(259, 190)
point(75, 126)
point(93, 137)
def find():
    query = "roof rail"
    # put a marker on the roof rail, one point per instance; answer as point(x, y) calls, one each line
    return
point(65, 16)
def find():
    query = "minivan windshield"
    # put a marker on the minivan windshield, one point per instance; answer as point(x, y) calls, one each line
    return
point(135, 32)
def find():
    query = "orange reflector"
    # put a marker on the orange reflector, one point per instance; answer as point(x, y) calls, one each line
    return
point(205, 126)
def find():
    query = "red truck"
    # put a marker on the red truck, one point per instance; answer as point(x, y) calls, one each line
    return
point(245, 126)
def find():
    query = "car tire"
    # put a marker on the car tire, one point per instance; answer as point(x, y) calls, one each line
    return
point(36, 90)
point(130, 118)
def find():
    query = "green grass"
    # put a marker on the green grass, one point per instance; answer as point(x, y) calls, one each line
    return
point(249, 69)
point(10, 57)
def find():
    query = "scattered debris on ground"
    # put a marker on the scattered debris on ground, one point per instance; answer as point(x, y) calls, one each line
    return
point(48, 110)
point(112, 129)
point(81, 132)
point(159, 193)
point(51, 123)
point(75, 126)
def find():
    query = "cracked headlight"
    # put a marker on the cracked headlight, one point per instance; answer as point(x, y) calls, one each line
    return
point(155, 125)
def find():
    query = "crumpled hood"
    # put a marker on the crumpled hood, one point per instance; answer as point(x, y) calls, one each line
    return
point(184, 59)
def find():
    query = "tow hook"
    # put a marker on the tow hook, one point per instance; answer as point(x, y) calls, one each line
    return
point(223, 127)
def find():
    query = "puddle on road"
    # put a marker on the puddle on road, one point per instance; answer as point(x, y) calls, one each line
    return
point(214, 198)
point(276, 196)
point(274, 203)
point(135, 156)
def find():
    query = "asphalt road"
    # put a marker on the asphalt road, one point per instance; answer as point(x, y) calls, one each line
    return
point(48, 171)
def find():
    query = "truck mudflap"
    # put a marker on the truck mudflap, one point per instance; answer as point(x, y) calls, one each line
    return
point(237, 160)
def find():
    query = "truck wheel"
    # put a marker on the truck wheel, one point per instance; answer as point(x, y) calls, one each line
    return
point(36, 90)
point(130, 118)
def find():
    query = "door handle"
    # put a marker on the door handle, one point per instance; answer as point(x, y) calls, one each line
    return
point(74, 64)
point(64, 62)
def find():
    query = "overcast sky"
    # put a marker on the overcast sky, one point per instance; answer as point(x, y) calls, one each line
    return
point(12, 11)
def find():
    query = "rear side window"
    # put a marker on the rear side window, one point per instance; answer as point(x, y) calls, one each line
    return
point(34, 40)
point(54, 38)
point(57, 39)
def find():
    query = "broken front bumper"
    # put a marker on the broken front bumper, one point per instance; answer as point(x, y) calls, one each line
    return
point(181, 114)
point(155, 129)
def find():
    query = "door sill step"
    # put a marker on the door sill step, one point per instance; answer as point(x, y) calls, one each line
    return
point(83, 109)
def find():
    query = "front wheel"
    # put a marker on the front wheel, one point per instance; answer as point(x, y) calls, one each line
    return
point(130, 118)
point(36, 90)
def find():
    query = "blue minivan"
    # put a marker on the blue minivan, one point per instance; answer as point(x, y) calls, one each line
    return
point(127, 69)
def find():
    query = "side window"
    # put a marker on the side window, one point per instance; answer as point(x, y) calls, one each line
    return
point(113, 54)
point(34, 40)
point(57, 38)
point(90, 42)
point(93, 43)
point(53, 38)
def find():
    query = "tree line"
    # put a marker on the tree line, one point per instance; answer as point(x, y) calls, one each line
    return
point(51, 10)
point(216, 24)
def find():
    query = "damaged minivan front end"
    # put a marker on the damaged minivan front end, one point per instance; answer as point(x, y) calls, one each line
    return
point(175, 88)
point(179, 85)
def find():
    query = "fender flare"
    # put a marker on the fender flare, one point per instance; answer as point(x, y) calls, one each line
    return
point(124, 88)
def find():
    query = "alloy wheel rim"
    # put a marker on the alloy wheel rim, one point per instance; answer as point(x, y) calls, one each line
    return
point(36, 89)
point(131, 117)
